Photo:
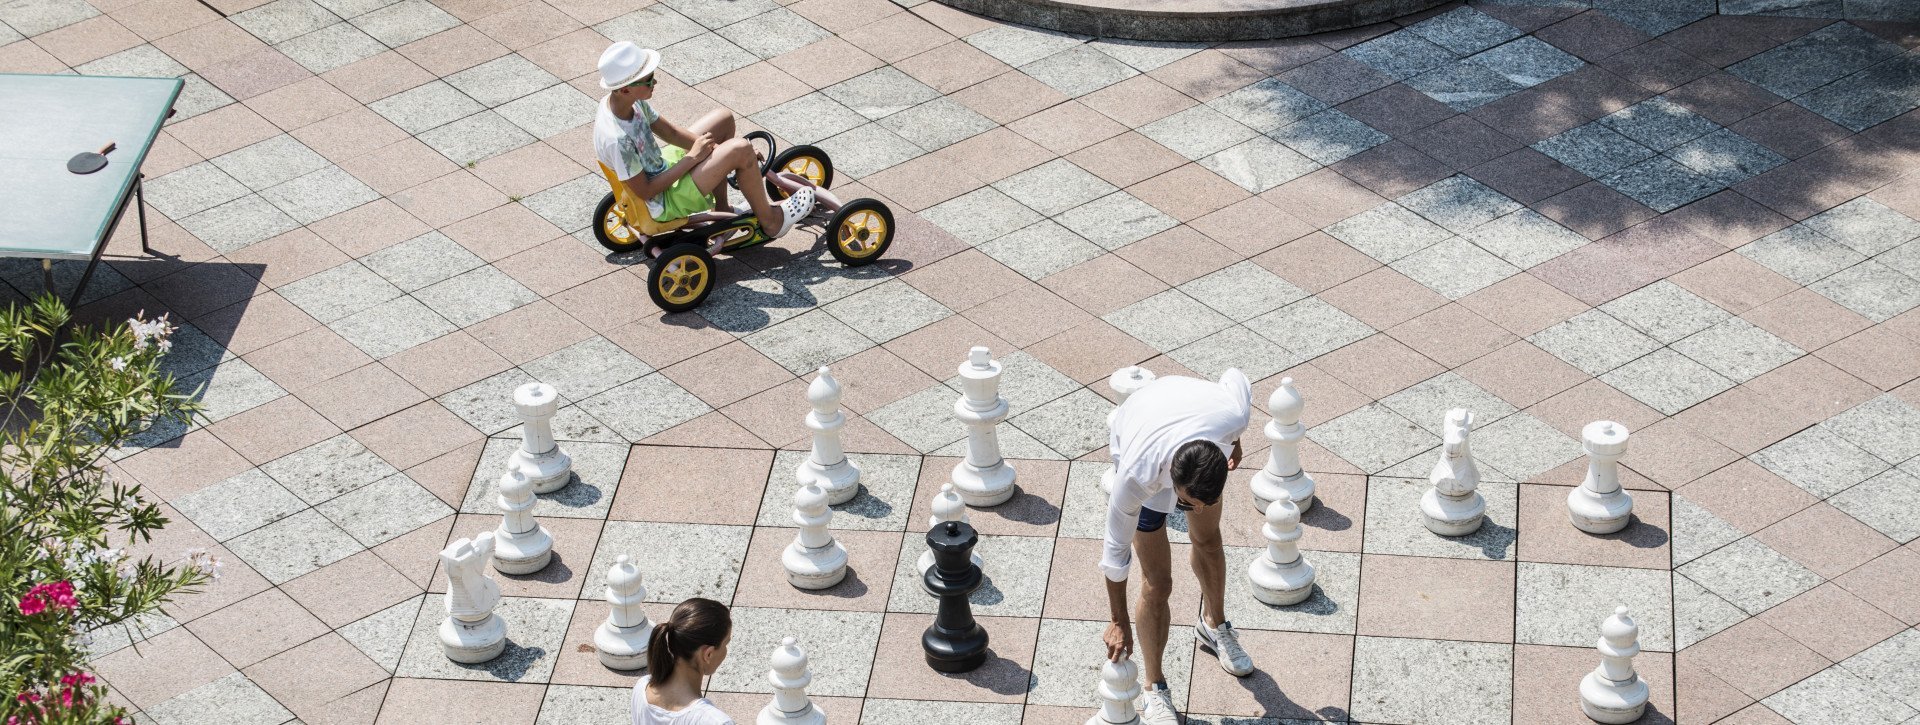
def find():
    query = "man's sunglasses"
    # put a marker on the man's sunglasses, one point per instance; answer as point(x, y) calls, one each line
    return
point(647, 82)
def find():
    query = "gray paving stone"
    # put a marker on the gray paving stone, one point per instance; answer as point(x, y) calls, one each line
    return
point(1594, 150)
point(887, 485)
point(1563, 604)
point(1874, 290)
point(1594, 342)
point(501, 80)
point(721, 13)
point(231, 388)
point(938, 123)
point(981, 215)
point(923, 420)
point(1455, 268)
point(1054, 187)
point(319, 195)
point(1388, 232)
point(1865, 225)
point(1426, 403)
point(475, 296)
point(887, 310)
point(1886, 502)
point(144, 61)
point(913, 712)
point(266, 163)
point(1463, 85)
point(1331, 609)
point(1801, 254)
point(587, 494)
point(1168, 320)
point(881, 92)
point(1115, 220)
point(282, 20)
point(1904, 259)
point(1665, 311)
point(565, 704)
point(1310, 327)
point(1882, 426)
point(230, 700)
point(421, 261)
point(586, 368)
point(1527, 62)
point(1464, 30)
point(238, 505)
point(354, 8)
point(1041, 249)
point(1525, 238)
point(550, 112)
point(1400, 55)
point(1523, 446)
point(392, 327)
point(1658, 123)
point(1862, 100)
point(1725, 157)
point(1243, 291)
point(34, 18)
point(1372, 437)
point(384, 510)
point(653, 26)
point(1661, 22)
point(1892, 666)
point(867, 149)
point(404, 22)
point(1146, 55)
point(1459, 203)
point(1075, 651)
point(1079, 70)
point(1259, 164)
point(1750, 575)
point(1018, 45)
point(840, 647)
point(1667, 381)
point(382, 636)
point(1697, 532)
point(1837, 695)
point(569, 206)
point(238, 224)
point(1197, 132)
point(1235, 347)
point(536, 629)
point(1662, 184)
point(646, 406)
point(704, 57)
point(334, 46)
point(1014, 582)
point(283, 550)
point(1328, 136)
point(426, 106)
point(1814, 59)
point(1738, 349)
point(1429, 682)
point(476, 138)
point(482, 404)
point(327, 469)
point(774, 32)
point(1268, 105)
point(1699, 614)
point(1025, 382)
point(808, 341)
point(197, 96)
point(192, 189)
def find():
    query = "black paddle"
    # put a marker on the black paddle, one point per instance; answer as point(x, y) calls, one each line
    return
point(88, 162)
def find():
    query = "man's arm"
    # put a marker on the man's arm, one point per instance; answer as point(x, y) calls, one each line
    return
point(671, 133)
point(1119, 637)
point(1116, 557)
point(651, 187)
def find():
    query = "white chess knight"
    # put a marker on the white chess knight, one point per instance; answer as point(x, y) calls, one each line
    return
point(472, 632)
point(1599, 505)
point(539, 456)
point(814, 560)
point(1613, 693)
point(984, 478)
point(947, 506)
point(520, 544)
point(790, 677)
point(1454, 506)
point(1281, 576)
point(827, 463)
point(1124, 382)
point(1119, 687)
point(1283, 475)
point(622, 639)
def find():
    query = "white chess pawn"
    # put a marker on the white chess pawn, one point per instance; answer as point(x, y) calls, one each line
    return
point(1283, 475)
point(984, 478)
point(471, 632)
point(814, 560)
point(520, 544)
point(1119, 687)
point(1613, 693)
point(827, 463)
point(1281, 576)
point(1124, 382)
point(947, 506)
point(790, 678)
point(1599, 505)
point(1454, 506)
point(539, 456)
point(622, 639)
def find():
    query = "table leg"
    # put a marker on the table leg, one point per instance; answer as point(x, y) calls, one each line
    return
point(140, 204)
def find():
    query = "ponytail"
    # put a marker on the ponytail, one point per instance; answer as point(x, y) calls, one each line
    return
point(695, 623)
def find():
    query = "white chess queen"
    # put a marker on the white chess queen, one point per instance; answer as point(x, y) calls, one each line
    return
point(684, 651)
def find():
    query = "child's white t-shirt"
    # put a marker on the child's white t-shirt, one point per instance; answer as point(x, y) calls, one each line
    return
point(701, 712)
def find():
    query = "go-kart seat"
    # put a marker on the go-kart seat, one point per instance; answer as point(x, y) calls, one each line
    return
point(634, 208)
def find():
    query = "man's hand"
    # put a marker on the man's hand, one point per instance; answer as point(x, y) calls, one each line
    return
point(1119, 639)
point(702, 147)
point(1233, 459)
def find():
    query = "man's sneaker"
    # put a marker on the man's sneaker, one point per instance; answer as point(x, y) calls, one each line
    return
point(1225, 645)
point(1158, 706)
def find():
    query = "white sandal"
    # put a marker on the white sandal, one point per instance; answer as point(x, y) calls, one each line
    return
point(793, 209)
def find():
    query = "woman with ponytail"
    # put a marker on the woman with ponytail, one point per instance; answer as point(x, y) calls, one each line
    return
point(684, 651)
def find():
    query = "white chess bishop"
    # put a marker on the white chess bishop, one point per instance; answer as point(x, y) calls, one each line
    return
point(471, 632)
point(1283, 476)
point(520, 545)
point(622, 640)
point(814, 560)
point(1599, 505)
point(790, 677)
point(1280, 576)
point(1613, 693)
point(1454, 506)
point(827, 462)
point(947, 506)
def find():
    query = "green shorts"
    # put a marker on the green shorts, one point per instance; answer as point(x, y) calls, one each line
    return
point(683, 199)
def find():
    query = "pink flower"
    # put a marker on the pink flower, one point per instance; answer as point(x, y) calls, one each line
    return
point(32, 604)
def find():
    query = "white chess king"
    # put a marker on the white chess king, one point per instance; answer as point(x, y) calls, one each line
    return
point(1283, 475)
point(1599, 505)
point(622, 640)
point(471, 632)
point(984, 478)
point(1613, 693)
point(1124, 382)
point(814, 560)
point(827, 463)
point(1280, 576)
point(548, 467)
point(790, 677)
point(520, 544)
point(1119, 687)
point(947, 506)
point(1453, 506)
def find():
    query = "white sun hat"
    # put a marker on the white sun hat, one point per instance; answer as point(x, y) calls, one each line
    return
point(623, 63)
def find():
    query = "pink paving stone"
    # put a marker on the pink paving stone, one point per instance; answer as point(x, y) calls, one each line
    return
point(478, 703)
point(375, 586)
point(1462, 599)
point(525, 25)
point(712, 429)
point(308, 678)
point(28, 58)
point(166, 665)
point(1075, 571)
point(1090, 352)
point(307, 359)
point(947, 68)
point(1188, 192)
point(446, 364)
point(452, 50)
point(754, 88)
point(1754, 658)
point(204, 46)
point(1890, 582)
point(528, 170)
point(259, 627)
point(248, 326)
point(1522, 374)
point(90, 39)
point(728, 373)
point(569, 55)
point(1065, 128)
point(1826, 540)
point(349, 134)
point(842, 15)
point(1026, 315)
point(1378, 366)
point(198, 460)
point(609, 302)
point(1545, 535)
point(529, 332)
point(203, 288)
point(1672, 455)
point(252, 74)
point(1102, 284)
point(414, 554)
point(1877, 355)
point(273, 430)
point(1571, 410)
point(416, 435)
point(579, 661)
point(1178, 255)
point(1807, 319)
point(1526, 175)
point(871, 559)
point(896, 37)
point(1541, 674)
point(1747, 496)
point(556, 265)
point(449, 474)
point(1251, 226)
point(900, 671)
point(826, 62)
point(223, 129)
point(155, 19)
point(288, 258)
point(302, 103)
point(1832, 621)
point(1451, 335)
point(769, 414)
point(1312, 687)
point(1391, 169)
point(1813, 387)
point(734, 478)
point(986, 158)
point(1207, 75)
point(663, 340)
point(1126, 159)
point(1383, 298)
point(964, 280)
point(361, 396)
point(1138, 101)
point(1744, 419)
point(1704, 697)
point(1316, 262)
point(574, 540)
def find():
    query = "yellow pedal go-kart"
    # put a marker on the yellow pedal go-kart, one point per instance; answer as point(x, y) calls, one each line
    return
point(682, 251)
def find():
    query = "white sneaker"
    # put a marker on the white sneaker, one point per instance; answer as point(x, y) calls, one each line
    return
point(1159, 709)
point(1225, 644)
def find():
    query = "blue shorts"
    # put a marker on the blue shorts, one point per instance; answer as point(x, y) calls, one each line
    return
point(1151, 520)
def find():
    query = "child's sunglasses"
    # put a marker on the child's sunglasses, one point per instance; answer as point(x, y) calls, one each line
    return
point(647, 82)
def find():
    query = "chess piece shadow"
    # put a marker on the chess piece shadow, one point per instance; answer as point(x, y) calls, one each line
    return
point(1326, 518)
point(556, 571)
point(1638, 534)
point(999, 675)
point(1028, 508)
point(852, 587)
point(864, 505)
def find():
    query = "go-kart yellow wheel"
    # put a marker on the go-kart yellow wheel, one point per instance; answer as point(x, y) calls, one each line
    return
point(681, 277)
point(809, 162)
point(611, 230)
point(860, 232)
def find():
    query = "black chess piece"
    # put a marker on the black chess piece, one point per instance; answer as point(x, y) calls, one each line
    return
point(955, 643)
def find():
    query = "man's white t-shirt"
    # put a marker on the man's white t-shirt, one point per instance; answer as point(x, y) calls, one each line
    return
point(701, 712)
point(628, 147)
point(1146, 430)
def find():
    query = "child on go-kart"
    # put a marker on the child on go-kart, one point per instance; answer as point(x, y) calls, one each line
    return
point(685, 177)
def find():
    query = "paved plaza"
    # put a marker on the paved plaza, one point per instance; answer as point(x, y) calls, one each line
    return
point(372, 218)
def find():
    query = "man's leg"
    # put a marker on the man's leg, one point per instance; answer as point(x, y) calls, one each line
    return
point(1151, 618)
point(719, 123)
point(1209, 562)
point(736, 157)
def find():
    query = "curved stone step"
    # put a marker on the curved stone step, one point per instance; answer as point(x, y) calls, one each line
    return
point(1193, 20)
